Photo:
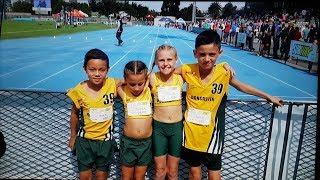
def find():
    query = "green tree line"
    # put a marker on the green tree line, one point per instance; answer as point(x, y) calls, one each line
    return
point(169, 8)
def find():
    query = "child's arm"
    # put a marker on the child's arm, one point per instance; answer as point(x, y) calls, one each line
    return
point(253, 91)
point(119, 82)
point(120, 91)
point(229, 68)
point(74, 118)
point(151, 78)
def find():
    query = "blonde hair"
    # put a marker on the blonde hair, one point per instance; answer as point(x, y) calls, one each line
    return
point(161, 48)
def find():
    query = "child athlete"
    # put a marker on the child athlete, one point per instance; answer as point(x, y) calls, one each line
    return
point(136, 142)
point(207, 87)
point(92, 103)
point(166, 88)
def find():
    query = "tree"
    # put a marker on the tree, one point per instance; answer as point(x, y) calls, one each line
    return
point(84, 7)
point(22, 6)
point(214, 10)
point(107, 7)
point(56, 6)
point(229, 10)
point(142, 11)
point(170, 8)
point(186, 13)
point(93, 5)
point(128, 8)
point(165, 8)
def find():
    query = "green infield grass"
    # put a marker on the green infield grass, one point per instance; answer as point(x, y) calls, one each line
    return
point(23, 29)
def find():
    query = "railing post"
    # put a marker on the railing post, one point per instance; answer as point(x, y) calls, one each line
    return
point(304, 119)
point(268, 144)
point(285, 141)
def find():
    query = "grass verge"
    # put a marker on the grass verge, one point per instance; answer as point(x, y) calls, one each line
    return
point(24, 29)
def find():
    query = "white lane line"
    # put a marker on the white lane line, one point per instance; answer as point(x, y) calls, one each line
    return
point(172, 45)
point(128, 52)
point(152, 55)
point(8, 73)
point(53, 75)
point(70, 43)
point(272, 77)
point(187, 44)
point(33, 64)
point(39, 62)
point(264, 74)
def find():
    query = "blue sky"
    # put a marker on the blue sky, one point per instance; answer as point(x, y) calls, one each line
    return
point(203, 6)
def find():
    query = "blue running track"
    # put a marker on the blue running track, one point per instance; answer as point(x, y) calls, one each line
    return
point(55, 63)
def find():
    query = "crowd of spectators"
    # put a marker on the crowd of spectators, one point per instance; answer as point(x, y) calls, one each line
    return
point(267, 35)
point(273, 32)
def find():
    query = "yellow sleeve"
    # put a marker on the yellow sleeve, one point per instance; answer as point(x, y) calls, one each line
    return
point(223, 62)
point(73, 95)
point(184, 69)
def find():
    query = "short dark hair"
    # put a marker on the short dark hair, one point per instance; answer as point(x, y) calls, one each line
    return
point(208, 37)
point(95, 54)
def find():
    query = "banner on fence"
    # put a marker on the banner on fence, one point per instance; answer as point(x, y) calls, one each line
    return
point(241, 38)
point(304, 51)
point(41, 6)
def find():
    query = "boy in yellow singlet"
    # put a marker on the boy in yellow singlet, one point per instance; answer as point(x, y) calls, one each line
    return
point(136, 142)
point(92, 103)
point(207, 88)
point(166, 88)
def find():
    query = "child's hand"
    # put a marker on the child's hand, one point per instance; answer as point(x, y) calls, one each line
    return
point(120, 82)
point(229, 68)
point(71, 142)
point(275, 100)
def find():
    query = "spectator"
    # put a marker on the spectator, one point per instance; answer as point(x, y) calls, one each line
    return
point(250, 36)
point(276, 38)
point(297, 34)
point(312, 34)
point(305, 33)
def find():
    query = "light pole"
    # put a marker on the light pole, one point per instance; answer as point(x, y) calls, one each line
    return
point(2, 9)
point(194, 12)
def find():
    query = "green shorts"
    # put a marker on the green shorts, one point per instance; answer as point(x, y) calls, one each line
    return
point(93, 152)
point(135, 152)
point(167, 138)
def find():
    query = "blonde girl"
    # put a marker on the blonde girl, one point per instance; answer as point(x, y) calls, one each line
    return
point(166, 88)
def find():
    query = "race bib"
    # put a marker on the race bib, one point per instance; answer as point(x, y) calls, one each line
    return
point(169, 93)
point(140, 108)
point(101, 114)
point(197, 116)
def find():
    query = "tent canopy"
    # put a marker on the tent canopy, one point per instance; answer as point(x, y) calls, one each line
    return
point(78, 14)
point(180, 20)
point(83, 14)
point(166, 20)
